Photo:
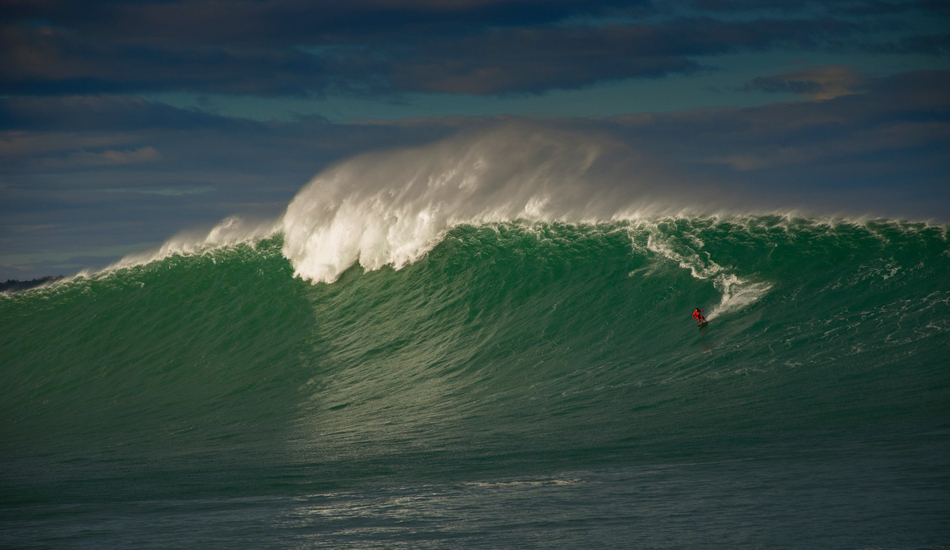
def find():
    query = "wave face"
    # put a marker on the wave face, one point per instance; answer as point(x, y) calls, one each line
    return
point(508, 361)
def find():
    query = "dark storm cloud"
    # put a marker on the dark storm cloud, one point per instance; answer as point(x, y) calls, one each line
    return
point(534, 60)
point(296, 48)
point(50, 60)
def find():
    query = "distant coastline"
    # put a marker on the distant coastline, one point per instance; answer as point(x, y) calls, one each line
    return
point(12, 285)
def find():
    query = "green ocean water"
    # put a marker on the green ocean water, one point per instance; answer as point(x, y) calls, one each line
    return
point(521, 385)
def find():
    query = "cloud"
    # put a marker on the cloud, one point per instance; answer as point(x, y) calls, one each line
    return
point(927, 44)
point(535, 60)
point(106, 113)
point(838, 7)
point(108, 157)
point(291, 22)
point(824, 82)
point(827, 155)
point(482, 47)
point(47, 60)
point(163, 191)
point(54, 60)
point(16, 145)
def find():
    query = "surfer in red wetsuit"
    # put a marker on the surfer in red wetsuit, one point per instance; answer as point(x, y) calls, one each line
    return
point(698, 316)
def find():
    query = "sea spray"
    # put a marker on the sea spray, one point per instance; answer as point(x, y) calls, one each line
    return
point(390, 208)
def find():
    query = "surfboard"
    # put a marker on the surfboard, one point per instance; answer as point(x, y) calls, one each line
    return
point(704, 323)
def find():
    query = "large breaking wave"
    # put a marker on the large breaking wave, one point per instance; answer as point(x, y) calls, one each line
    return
point(390, 208)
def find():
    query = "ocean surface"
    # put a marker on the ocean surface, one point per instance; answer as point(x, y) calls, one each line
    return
point(486, 342)
point(516, 384)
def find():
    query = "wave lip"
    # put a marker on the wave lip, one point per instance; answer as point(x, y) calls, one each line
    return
point(391, 208)
point(231, 231)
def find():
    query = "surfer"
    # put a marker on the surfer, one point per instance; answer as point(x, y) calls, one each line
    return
point(698, 316)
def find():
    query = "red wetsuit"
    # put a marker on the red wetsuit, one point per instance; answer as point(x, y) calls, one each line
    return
point(697, 315)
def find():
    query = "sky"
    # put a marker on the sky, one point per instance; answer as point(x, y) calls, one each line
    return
point(125, 122)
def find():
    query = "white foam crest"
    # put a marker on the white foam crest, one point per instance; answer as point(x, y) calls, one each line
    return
point(688, 259)
point(736, 294)
point(683, 248)
point(229, 232)
point(392, 208)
